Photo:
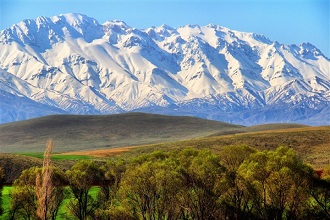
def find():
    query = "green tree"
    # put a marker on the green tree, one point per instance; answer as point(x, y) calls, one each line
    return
point(236, 200)
point(203, 178)
point(111, 174)
point(24, 201)
point(81, 177)
point(151, 188)
point(23, 197)
point(233, 156)
point(109, 206)
point(277, 182)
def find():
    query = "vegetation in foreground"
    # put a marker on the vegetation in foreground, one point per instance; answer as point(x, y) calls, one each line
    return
point(239, 183)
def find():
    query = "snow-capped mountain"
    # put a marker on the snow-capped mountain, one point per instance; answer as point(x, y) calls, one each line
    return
point(72, 64)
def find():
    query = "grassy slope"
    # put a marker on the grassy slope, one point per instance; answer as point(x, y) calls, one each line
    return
point(266, 127)
point(71, 132)
point(14, 164)
point(311, 143)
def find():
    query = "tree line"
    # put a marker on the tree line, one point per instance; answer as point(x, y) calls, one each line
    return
point(238, 183)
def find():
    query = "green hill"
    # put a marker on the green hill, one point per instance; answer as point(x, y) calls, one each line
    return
point(82, 132)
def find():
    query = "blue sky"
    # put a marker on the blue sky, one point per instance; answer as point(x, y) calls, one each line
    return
point(287, 21)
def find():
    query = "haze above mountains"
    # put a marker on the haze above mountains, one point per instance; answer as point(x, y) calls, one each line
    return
point(71, 64)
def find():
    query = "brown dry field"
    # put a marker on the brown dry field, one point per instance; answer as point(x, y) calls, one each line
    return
point(100, 153)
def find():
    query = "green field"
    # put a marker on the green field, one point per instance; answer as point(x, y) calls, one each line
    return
point(62, 214)
point(58, 156)
point(5, 200)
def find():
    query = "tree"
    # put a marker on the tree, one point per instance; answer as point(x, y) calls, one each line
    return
point(81, 177)
point(277, 182)
point(24, 201)
point(23, 198)
point(236, 200)
point(203, 177)
point(111, 174)
point(233, 156)
point(109, 206)
point(151, 188)
point(58, 193)
point(47, 198)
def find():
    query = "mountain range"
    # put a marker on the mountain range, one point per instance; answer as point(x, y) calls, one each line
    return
point(72, 64)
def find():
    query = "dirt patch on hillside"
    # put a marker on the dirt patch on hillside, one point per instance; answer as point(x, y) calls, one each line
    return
point(101, 153)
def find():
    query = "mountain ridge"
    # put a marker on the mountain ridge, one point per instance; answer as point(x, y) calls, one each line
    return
point(75, 65)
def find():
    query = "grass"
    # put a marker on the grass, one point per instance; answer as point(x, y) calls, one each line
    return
point(5, 200)
point(63, 212)
point(59, 156)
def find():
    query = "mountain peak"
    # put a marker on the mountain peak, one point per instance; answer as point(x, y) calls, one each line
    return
point(74, 19)
point(308, 50)
point(116, 22)
point(116, 25)
point(42, 32)
point(165, 26)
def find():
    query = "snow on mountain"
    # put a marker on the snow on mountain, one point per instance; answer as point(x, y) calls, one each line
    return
point(72, 64)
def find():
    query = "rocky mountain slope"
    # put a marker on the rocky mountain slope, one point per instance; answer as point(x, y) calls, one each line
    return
point(72, 64)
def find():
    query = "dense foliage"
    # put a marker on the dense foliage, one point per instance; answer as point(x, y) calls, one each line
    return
point(239, 183)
